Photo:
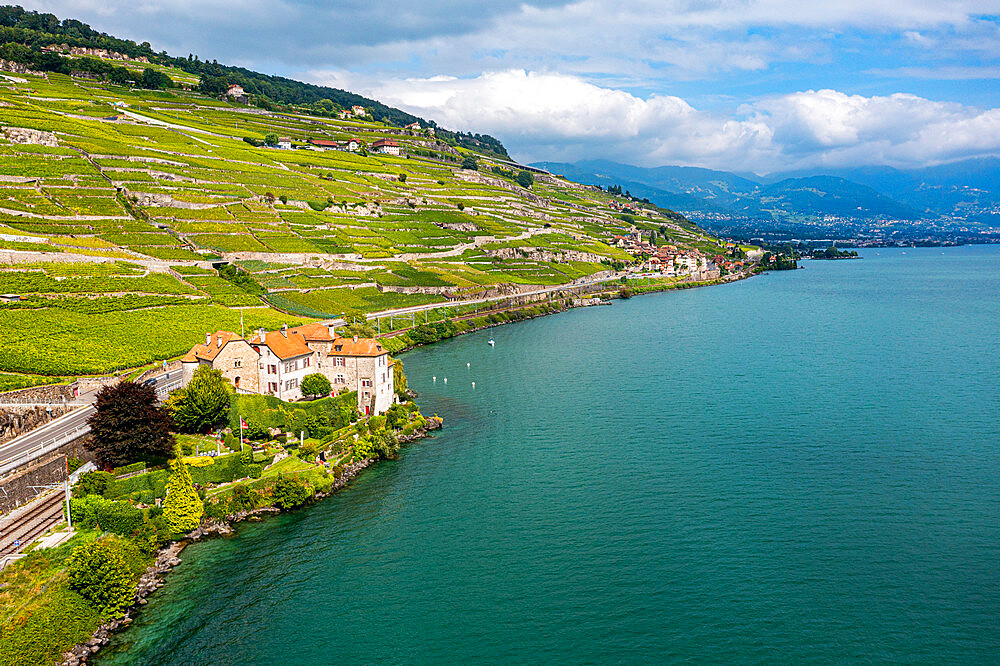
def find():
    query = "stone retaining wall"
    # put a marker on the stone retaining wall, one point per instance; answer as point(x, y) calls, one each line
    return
point(39, 394)
point(15, 421)
point(22, 487)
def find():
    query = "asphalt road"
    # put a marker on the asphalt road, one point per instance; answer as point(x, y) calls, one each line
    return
point(22, 449)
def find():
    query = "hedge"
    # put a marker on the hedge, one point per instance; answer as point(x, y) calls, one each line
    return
point(128, 469)
point(156, 482)
point(117, 517)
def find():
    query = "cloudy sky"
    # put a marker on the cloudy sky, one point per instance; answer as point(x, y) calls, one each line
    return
point(740, 85)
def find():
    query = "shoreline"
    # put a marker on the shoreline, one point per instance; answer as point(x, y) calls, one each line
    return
point(607, 295)
point(167, 559)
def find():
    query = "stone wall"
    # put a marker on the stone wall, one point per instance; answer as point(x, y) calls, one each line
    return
point(15, 421)
point(17, 488)
point(49, 393)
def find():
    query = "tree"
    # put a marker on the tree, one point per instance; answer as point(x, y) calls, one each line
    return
point(469, 162)
point(315, 385)
point(101, 572)
point(203, 403)
point(128, 426)
point(182, 508)
point(398, 378)
point(153, 79)
point(525, 179)
point(402, 177)
point(271, 139)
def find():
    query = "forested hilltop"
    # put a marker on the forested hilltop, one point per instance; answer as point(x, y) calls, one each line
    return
point(138, 212)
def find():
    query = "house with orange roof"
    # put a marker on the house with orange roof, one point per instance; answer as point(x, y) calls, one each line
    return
point(228, 353)
point(362, 365)
point(285, 360)
point(276, 362)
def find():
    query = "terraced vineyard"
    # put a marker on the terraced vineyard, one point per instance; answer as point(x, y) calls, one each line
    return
point(116, 202)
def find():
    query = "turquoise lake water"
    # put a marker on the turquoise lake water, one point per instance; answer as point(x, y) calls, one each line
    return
point(803, 466)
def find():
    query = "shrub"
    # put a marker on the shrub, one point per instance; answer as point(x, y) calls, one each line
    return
point(102, 573)
point(183, 508)
point(288, 493)
point(315, 385)
point(64, 618)
point(84, 510)
point(244, 499)
point(92, 483)
point(254, 471)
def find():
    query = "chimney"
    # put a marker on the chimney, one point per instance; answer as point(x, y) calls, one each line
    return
point(208, 339)
point(355, 339)
point(218, 340)
point(260, 333)
point(284, 330)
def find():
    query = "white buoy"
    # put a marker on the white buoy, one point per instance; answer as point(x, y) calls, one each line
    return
point(445, 380)
point(473, 384)
point(434, 379)
point(469, 365)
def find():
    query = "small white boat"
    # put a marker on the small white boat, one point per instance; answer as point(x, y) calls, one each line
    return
point(491, 343)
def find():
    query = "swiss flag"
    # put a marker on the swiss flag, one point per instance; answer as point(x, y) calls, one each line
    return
point(243, 424)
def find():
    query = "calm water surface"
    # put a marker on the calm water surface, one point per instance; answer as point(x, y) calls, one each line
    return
point(803, 466)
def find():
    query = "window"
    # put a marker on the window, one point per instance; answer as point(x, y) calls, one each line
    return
point(339, 379)
point(272, 369)
point(237, 363)
point(291, 383)
point(339, 361)
point(366, 382)
point(272, 387)
point(383, 378)
point(305, 361)
point(291, 366)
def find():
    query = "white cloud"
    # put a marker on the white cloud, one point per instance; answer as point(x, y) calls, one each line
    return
point(549, 116)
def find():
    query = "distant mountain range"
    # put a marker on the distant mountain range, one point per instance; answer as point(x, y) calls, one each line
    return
point(964, 192)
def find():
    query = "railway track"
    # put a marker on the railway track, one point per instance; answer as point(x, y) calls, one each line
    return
point(31, 521)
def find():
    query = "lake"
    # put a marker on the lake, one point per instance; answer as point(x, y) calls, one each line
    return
point(802, 466)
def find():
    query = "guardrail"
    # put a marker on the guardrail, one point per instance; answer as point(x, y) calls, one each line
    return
point(43, 447)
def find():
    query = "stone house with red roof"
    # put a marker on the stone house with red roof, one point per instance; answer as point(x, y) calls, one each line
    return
point(276, 362)
point(228, 353)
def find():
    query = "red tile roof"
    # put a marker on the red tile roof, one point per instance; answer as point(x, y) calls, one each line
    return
point(289, 345)
point(208, 352)
point(384, 142)
point(357, 347)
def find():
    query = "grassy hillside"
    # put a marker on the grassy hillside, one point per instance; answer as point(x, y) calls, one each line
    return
point(157, 184)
